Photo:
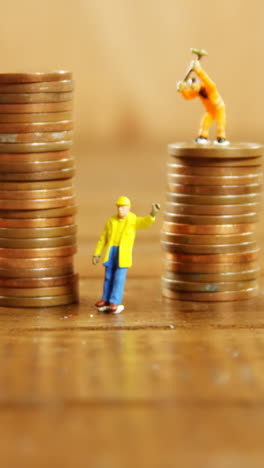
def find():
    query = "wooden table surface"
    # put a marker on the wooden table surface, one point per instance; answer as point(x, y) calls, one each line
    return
point(164, 384)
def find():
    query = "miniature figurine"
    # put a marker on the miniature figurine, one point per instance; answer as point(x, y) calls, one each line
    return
point(118, 237)
point(206, 90)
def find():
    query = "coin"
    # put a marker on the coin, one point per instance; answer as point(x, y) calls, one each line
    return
point(35, 77)
point(36, 127)
point(36, 108)
point(215, 190)
point(189, 209)
point(37, 204)
point(38, 292)
point(41, 87)
point(208, 220)
point(209, 268)
point(67, 173)
point(214, 180)
point(214, 199)
point(36, 223)
point(17, 158)
point(211, 297)
point(239, 162)
point(38, 282)
point(44, 137)
point(35, 147)
point(223, 258)
point(213, 171)
point(18, 98)
point(214, 239)
point(37, 166)
point(206, 287)
point(37, 117)
point(46, 185)
point(234, 150)
point(36, 194)
point(65, 251)
point(51, 213)
point(37, 243)
point(30, 233)
point(33, 263)
point(33, 273)
point(223, 229)
point(38, 301)
point(214, 277)
point(207, 249)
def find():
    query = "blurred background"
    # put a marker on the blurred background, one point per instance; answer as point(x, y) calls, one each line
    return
point(127, 56)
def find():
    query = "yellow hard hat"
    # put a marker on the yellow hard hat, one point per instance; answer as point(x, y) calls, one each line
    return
point(123, 201)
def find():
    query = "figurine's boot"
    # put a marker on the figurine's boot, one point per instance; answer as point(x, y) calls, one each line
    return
point(202, 140)
point(221, 142)
point(115, 309)
point(101, 303)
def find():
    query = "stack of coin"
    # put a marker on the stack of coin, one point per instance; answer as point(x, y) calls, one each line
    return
point(210, 220)
point(37, 201)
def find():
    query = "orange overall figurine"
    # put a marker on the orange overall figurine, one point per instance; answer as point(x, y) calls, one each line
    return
point(206, 90)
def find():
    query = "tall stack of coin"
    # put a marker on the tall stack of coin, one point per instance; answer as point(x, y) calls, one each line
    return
point(210, 220)
point(37, 202)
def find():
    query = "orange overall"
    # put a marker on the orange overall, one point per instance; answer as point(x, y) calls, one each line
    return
point(213, 103)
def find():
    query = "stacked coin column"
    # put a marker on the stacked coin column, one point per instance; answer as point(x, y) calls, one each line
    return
point(209, 228)
point(37, 202)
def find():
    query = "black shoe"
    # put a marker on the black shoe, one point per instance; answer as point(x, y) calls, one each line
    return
point(221, 141)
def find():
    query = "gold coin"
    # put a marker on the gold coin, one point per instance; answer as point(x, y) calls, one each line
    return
point(215, 190)
point(36, 194)
point(67, 173)
point(44, 137)
point(211, 268)
point(64, 251)
point(213, 277)
point(212, 239)
point(38, 292)
point(208, 220)
point(30, 233)
point(37, 166)
point(213, 199)
point(35, 273)
point(239, 162)
point(38, 282)
point(207, 287)
point(36, 127)
point(208, 249)
point(211, 297)
point(46, 185)
point(241, 257)
point(37, 243)
point(35, 77)
point(25, 98)
point(38, 301)
point(37, 204)
point(189, 209)
point(35, 147)
point(192, 170)
point(37, 117)
point(35, 222)
point(36, 108)
point(223, 229)
point(50, 213)
point(34, 263)
point(215, 180)
point(234, 150)
point(41, 87)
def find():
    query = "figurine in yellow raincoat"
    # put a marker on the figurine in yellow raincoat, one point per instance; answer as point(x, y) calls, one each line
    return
point(118, 238)
point(206, 90)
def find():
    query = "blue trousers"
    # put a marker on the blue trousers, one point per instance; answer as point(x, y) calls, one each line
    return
point(115, 278)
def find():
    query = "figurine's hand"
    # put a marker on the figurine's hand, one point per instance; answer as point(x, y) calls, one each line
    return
point(195, 65)
point(181, 85)
point(96, 259)
point(155, 209)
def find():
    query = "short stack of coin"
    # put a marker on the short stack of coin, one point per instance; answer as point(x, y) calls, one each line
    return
point(37, 200)
point(210, 220)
